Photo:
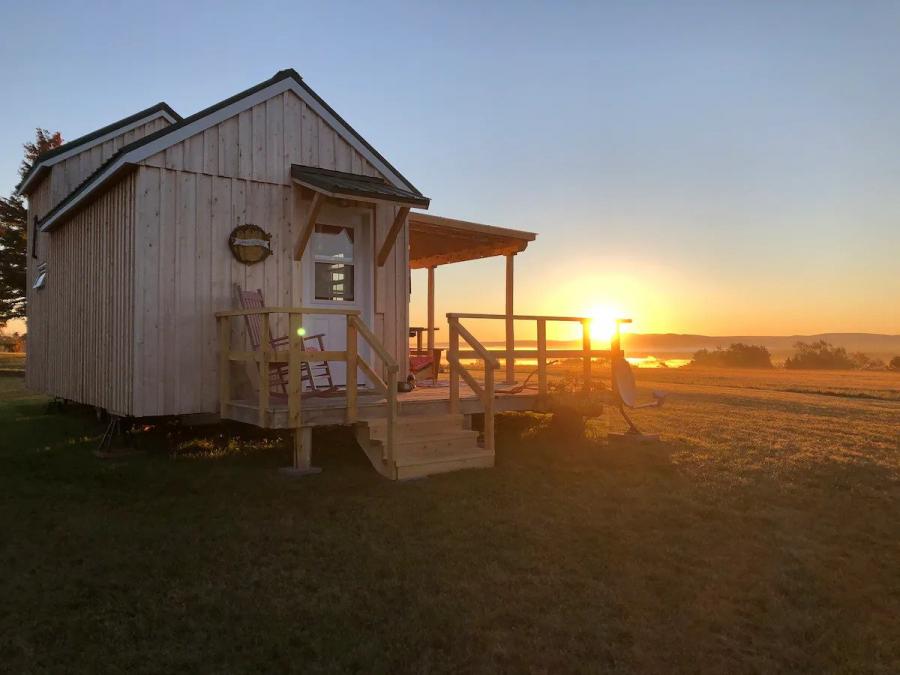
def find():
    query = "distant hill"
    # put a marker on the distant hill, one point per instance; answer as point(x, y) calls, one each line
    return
point(680, 346)
point(673, 345)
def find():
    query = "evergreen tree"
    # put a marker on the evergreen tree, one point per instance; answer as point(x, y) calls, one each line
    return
point(14, 233)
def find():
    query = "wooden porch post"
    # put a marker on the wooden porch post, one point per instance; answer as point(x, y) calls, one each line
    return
point(302, 448)
point(302, 454)
point(510, 330)
point(430, 311)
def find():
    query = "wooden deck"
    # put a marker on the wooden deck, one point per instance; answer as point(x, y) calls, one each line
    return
point(424, 400)
point(406, 446)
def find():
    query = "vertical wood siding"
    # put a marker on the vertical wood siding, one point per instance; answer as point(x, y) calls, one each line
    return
point(261, 144)
point(184, 274)
point(189, 198)
point(80, 324)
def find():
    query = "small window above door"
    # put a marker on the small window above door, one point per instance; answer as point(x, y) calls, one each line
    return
point(333, 242)
point(332, 250)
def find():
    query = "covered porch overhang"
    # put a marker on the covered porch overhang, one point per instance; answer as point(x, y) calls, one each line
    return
point(435, 240)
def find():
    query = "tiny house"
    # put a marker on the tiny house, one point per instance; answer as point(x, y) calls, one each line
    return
point(147, 235)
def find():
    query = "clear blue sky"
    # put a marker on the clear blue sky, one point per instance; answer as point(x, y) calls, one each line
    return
point(706, 167)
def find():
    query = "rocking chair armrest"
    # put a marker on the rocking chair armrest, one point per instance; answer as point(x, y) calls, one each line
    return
point(281, 340)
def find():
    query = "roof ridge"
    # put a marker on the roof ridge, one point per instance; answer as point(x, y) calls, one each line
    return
point(162, 106)
point(68, 145)
point(184, 121)
point(287, 73)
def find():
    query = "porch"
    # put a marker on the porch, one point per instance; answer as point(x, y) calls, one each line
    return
point(404, 434)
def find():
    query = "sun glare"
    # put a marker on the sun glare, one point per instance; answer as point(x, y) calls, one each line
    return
point(603, 323)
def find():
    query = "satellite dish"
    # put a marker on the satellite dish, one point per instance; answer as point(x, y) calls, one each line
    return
point(625, 384)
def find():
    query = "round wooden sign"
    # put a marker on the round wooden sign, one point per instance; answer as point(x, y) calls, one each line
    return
point(250, 244)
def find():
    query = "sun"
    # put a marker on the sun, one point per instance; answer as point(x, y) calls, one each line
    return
point(603, 323)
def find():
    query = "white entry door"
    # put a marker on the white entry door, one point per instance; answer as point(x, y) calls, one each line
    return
point(338, 273)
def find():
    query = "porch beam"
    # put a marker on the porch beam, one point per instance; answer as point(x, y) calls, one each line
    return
point(462, 255)
point(309, 225)
point(391, 236)
point(510, 322)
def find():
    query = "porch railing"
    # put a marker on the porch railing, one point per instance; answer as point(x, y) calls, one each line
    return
point(457, 370)
point(542, 354)
point(266, 356)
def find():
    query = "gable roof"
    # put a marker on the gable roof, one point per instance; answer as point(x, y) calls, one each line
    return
point(47, 159)
point(148, 146)
point(351, 185)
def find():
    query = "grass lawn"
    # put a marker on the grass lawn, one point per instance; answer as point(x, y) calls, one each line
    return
point(763, 535)
point(11, 364)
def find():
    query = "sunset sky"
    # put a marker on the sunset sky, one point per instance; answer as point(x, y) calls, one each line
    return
point(717, 168)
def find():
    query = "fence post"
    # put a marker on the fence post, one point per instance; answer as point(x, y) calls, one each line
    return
point(224, 364)
point(488, 406)
point(391, 380)
point(542, 355)
point(453, 358)
point(586, 347)
point(351, 370)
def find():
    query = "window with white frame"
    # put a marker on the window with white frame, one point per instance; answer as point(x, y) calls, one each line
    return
point(332, 251)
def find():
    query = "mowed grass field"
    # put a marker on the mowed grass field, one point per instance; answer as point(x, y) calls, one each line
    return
point(12, 364)
point(762, 535)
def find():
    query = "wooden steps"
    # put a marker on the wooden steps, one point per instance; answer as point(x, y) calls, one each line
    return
point(424, 445)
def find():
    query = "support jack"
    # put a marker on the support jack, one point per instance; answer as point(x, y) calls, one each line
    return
point(116, 441)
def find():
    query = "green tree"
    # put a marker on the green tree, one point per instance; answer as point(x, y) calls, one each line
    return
point(14, 233)
point(12, 259)
point(738, 355)
point(43, 141)
point(819, 355)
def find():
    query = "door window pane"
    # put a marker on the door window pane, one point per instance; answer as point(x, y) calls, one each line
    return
point(332, 249)
point(334, 281)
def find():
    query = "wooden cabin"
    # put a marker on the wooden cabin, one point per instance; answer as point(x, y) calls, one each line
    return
point(143, 231)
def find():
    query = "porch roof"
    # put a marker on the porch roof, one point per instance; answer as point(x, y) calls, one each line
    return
point(434, 240)
point(341, 184)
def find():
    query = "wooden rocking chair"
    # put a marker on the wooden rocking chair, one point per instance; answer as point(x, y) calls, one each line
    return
point(421, 358)
point(317, 374)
